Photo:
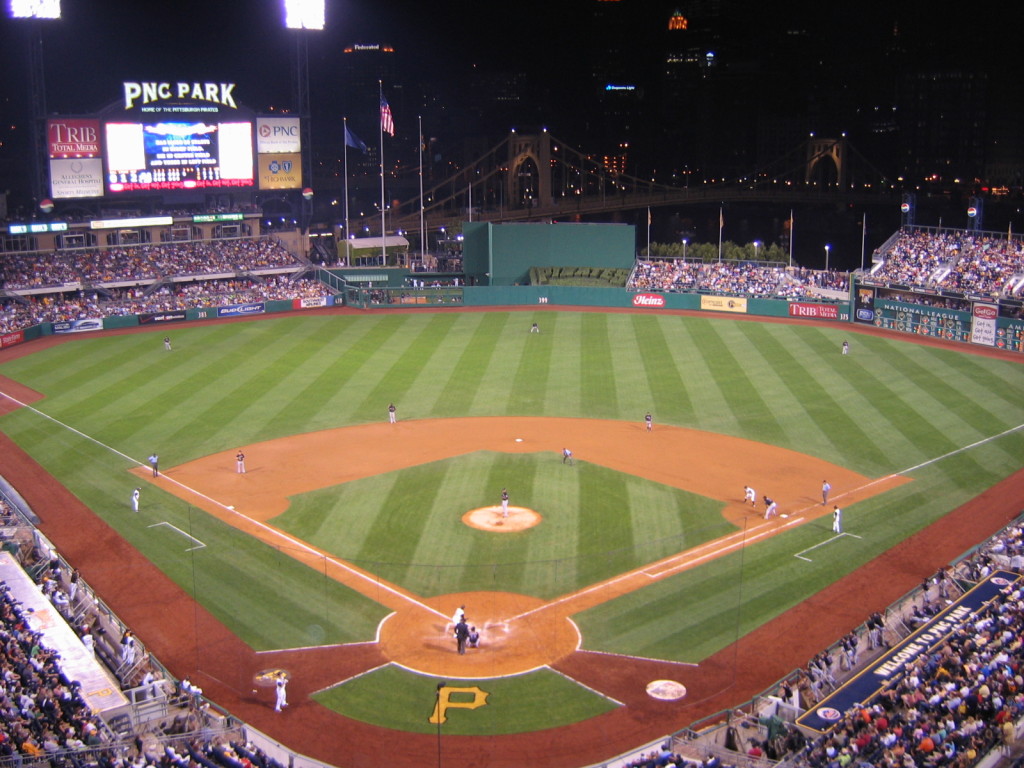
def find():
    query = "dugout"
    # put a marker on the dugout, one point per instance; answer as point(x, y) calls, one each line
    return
point(502, 254)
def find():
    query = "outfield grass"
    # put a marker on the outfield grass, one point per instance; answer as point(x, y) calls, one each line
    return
point(887, 407)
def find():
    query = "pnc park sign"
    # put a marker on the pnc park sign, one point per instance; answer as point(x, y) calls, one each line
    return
point(143, 93)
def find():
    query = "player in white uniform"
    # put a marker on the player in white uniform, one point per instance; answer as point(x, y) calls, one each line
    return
point(749, 495)
point(837, 520)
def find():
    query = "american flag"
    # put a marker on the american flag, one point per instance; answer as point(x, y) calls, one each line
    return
point(387, 122)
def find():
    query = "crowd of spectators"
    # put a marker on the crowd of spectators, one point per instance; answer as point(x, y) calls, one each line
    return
point(142, 263)
point(170, 296)
point(953, 260)
point(735, 278)
point(949, 707)
point(41, 711)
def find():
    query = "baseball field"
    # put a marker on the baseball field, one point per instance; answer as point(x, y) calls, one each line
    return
point(348, 542)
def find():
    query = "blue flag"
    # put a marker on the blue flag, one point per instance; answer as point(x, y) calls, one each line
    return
point(351, 140)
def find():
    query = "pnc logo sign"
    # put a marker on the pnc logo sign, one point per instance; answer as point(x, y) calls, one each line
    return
point(648, 300)
point(268, 131)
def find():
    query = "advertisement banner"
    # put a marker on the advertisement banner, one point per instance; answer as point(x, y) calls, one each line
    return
point(280, 171)
point(277, 134)
point(648, 300)
point(309, 303)
point(10, 339)
point(162, 317)
point(983, 324)
point(76, 178)
point(864, 306)
point(240, 309)
point(723, 304)
point(73, 138)
point(78, 326)
point(819, 311)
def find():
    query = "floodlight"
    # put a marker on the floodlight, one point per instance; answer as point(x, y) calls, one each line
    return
point(33, 9)
point(304, 14)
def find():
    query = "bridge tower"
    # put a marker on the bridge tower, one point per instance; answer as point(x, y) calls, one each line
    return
point(826, 162)
point(528, 182)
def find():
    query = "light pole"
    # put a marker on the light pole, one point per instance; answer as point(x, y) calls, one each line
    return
point(757, 243)
point(685, 241)
point(827, 249)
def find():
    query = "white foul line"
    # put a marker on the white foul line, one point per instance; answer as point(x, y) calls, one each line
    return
point(298, 543)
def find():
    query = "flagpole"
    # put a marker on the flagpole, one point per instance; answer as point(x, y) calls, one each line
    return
point(721, 225)
point(345, 169)
point(648, 233)
point(863, 237)
point(423, 229)
point(791, 222)
point(383, 230)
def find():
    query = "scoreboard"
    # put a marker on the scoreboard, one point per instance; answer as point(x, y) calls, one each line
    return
point(178, 155)
point(167, 137)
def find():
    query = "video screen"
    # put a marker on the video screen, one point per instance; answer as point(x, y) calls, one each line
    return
point(178, 155)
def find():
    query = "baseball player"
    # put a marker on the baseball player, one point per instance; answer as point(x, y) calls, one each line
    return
point(240, 462)
point(825, 488)
point(567, 456)
point(770, 507)
point(749, 495)
point(281, 684)
point(837, 519)
point(504, 502)
point(649, 421)
point(846, 347)
point(135, 499)
point(392, 413)
point(167, 343)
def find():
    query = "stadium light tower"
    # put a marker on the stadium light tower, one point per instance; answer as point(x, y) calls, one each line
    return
point(302, 15)
point(32, 11)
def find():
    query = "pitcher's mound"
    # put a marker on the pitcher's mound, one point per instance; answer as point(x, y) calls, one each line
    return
point(490, 519)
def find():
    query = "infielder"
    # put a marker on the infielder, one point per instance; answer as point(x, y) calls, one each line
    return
point(240, 462)
point(567, 456)
point(135, 499)
point(837, 520)
point(749, 495)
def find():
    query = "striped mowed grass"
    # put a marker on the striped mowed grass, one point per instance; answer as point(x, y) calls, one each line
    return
point(888, 407)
